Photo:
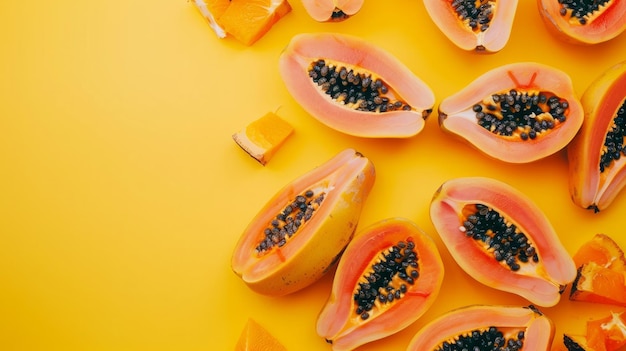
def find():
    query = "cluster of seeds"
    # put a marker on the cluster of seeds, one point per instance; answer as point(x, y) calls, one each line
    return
point(614, 146)
point(509, 245)
point(490, 339)
point(338, 15)
point(522, 114)
point(354, 89)
point(476, 13)
point(580, 9)
point(287, 222)
point(399, 261)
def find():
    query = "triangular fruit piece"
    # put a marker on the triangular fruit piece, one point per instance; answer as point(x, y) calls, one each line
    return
point(249, 20)
point(212, 10)
point(263, 137)
point(576, 343)
point(608, 333)
point(602, 250)
point(256, 338)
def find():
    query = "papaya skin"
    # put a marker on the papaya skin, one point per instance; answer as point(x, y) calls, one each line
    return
point(539, 282)
point(538, 329)
point(332, 10)
point(589, 188)
point(604, 26)
point(457, 118)
point(338, 322)
point(356, 53)
point(347, 179)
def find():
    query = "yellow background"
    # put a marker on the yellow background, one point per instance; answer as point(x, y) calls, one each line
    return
point(122, 193)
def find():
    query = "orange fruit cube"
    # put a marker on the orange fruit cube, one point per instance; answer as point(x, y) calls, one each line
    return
point(249, 20)
point(263, 137)
point(256, 338)
point(212, 10)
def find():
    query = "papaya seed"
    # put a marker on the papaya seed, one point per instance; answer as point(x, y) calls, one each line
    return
point(486, 339)
point(614, 146)
point(580, 10)
point(477, 15)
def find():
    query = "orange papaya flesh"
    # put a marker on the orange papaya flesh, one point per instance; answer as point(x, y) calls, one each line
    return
point(212, 10)
point(263, 137)
point(388, 276)
point(302, 230)
point(332, 10)
point(608, 332)
point(603, 251)
point(516, 113)
point(354, 87)
point(255, 337)
point(501, 238)
point(249, 20)
point(481, 26)
point(486, 327)
point(597, 155)
point(576, 343)
point(584, 22)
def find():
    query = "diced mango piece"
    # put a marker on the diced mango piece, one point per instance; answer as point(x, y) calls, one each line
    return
point(263, 137)
point(249, 20)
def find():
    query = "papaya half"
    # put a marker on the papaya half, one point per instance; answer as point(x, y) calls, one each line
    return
point(388, 276)
point(516, 113)
point(332, 10)
point(486, 327)
point(302, 230)
point(354, 87)
point(502, 239)
point(584, 22)
point(597, 155)
point(481, 26)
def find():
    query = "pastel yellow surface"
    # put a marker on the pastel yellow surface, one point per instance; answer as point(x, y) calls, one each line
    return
point(122, 193)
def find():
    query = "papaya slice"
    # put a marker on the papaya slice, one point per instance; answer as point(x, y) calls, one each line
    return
point(516, 113)
point(601, 276)
point(602, 334)
point(332, 10)
point(486, 327)
point(389, 275)
point(302, 230)
point(255, 337)
point(263, 137)
point(597, 155)
point(584, 22)
point(481, 26)
point(502, 239)
point(354, 87)
point(212, 10)
point(249, 20)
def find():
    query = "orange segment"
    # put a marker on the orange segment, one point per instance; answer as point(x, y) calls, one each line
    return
point(212, 10)
point(263, 137)
point(602, 250)
point(249, 20)
point(256, 338)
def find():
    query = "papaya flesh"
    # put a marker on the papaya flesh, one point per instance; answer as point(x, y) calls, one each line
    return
point(481, 26)
point(332, 10)
point(502, 239)
point(303, 229)
point(354, 87)
point(601, 276)
point(516, 113)
point(597, 155)
point(388, 276)
point(603, 334)
point(212, 10)
point(486, 327)
point(584, 22)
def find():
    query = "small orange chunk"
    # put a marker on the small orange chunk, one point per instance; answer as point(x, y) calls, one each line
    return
point(212, 10)
point(602, 250)
point(263, 137)
point(248, 20)
point(256, 338)
point(608, 333)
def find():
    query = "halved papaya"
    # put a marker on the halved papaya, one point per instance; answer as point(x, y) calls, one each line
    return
point(389, 275)
point(482, 26)
point(502, 239)
point(601, 276)
point(584, 22)
point(332, 10)
point(597, 155)
point(355, 87)
point(486, 327)
point(303, 229)
point(517, 113)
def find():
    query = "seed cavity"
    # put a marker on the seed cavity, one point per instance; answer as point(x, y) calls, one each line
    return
point(524, 115)
point(356, 90)
point(489, 339)
point(289, 220)
point(614, 147)
point(503, 239)
point(388, 279)
point(581, 11)
point(476, 14)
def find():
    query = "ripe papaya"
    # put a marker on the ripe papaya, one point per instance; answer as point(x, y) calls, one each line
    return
point(486, 327)
point(481, 26)
point(332, 10)
point(355, 87)
point(501, 238)
point(301, 231)
point(584, 22)
point(517, 113)
point(389, 275)
point(597, 155)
